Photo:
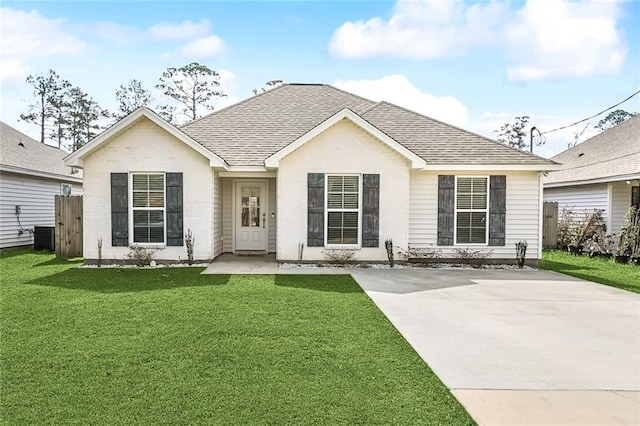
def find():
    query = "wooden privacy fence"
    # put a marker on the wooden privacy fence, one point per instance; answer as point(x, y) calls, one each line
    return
point(550, 224)
point(68, 226)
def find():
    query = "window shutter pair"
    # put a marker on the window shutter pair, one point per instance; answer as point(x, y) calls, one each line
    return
point(497, 209)
point(120, 209)
point(370, 210)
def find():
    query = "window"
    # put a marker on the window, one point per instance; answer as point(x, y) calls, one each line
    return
point(343, 210)
point(471, 210)
point(148, 207)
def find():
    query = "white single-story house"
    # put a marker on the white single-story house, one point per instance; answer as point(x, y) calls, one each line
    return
point(31, 174)
point(303, 169)
point(600, 173)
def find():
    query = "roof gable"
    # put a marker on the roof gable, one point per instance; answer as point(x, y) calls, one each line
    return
point(22, 154)
point(247, 133)
point(77, 157)
point(273, 160)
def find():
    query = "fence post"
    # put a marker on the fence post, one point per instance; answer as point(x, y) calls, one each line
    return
point(549, 224)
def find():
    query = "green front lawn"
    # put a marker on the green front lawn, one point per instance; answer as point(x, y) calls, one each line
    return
point(626, 277)
point(171, 346)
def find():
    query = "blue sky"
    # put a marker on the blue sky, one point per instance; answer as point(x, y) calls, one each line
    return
point(473, 64)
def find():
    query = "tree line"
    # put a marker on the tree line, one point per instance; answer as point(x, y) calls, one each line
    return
point(70, 117)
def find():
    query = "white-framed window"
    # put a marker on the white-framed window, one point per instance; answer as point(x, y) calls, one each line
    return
point(343, 208)
point(471, 209)
point(148, 208)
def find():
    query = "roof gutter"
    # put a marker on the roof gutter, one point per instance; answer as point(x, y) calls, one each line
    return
point(494, 167)
point(37, 173)
point(608, 179)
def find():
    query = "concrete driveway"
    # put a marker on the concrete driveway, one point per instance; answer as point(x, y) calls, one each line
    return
point(520, 347)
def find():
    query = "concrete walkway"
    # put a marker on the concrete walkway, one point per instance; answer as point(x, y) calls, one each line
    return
point(520, 347)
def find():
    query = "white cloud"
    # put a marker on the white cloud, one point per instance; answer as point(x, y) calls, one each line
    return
point(27, 35)
point(205, 47)
point(544, 39)
point(186, 30)
point(13, 70)
point(398, 89)
point(557, 38)
point(419, 29)
point(112, 31)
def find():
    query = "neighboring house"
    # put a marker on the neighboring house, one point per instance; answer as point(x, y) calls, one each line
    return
point(600, 173)
point(31, 174)
point(302, 169)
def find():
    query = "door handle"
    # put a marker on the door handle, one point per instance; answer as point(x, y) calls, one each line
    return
point(264, 220)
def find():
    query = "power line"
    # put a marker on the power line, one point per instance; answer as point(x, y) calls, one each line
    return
point(589, 118)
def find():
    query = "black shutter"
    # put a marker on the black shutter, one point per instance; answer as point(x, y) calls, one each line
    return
point(120, 209)
point(446, 198)
point(497, 210)
point(315, 210)
point(371, 210)
point(174, 209)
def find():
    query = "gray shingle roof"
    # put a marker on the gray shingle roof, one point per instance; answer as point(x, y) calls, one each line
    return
point(250, 131)
point(440, 143)
point(615, 152)
point(31, 155)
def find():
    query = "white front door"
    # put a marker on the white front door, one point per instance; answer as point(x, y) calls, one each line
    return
point(251, 215)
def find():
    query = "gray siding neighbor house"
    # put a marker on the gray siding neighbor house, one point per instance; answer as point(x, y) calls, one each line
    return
point(31, 174)
point(600, 173)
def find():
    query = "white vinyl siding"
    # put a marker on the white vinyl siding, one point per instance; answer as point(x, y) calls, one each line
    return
point(580, 199)
point(342, 210)
point(35, 196)
point(471, 210)
point(522, 217)
point(620, 203)
point(217, 214)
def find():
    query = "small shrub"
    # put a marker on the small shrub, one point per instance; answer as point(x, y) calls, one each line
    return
point(521, 253)
point(566, 223)
point(140, 256)
point(339, 256)
point(584, 230)
point(189, 241)
point(99, 251)
point(629, 236)
point(471, 256)
point(388, 245)
point(419, 253)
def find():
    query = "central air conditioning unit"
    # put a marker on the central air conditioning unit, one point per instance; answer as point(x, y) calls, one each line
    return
point(44, 238)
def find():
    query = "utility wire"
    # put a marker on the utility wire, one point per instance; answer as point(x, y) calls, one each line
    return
point(589, 118)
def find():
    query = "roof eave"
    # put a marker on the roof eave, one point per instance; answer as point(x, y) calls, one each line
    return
point(494, 167)
point(38, 173)
point(607, 179)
